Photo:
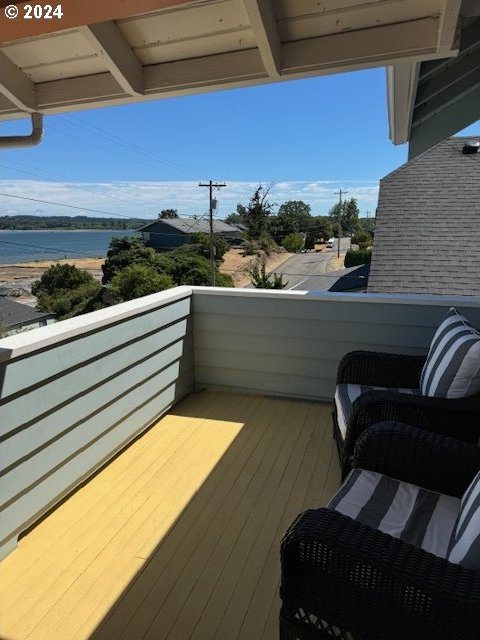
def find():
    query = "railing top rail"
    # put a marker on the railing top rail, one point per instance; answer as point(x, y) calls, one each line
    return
point(31, 341)
point(382, 298)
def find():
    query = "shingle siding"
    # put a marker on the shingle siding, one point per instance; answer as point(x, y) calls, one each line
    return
point(427, 237)
point(13, 314)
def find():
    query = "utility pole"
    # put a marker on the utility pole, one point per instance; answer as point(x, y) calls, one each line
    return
point(340, 193)
point(211, 186)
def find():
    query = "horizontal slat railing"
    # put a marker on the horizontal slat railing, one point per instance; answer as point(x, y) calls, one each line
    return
point(290, 343)
point(75, 393)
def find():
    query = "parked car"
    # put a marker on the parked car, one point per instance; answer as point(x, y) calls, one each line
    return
point(330, 243)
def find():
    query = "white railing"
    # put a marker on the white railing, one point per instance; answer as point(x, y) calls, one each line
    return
point(76, 392)
point(290, 343)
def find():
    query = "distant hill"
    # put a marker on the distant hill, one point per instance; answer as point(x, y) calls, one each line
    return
point(35, 223)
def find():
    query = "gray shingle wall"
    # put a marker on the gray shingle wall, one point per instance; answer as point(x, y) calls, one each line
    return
point(427, 237)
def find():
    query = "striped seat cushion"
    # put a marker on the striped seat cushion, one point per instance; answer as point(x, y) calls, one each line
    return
point(452, 368)
point(465, 542)
point(345, 394)
point(423, 518)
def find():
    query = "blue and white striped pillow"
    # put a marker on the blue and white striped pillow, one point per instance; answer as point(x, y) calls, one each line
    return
point(464, 548)
point(452, 368)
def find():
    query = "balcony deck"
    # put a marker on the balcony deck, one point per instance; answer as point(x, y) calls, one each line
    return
point(178, 537)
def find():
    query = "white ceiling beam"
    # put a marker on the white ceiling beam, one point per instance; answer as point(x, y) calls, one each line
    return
point(164, 80)
point(448, 30)
point(264, 26)
point(108, 42)
point(376, 46)
point(16, 85)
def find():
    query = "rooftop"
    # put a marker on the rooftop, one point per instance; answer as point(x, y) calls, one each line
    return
point(189, 225)
point(428, 225)
point(14, 313)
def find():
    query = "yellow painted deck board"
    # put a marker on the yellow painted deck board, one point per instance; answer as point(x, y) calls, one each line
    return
point(178, 537)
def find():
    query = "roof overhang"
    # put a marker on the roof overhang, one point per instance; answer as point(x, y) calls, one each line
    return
point(119, 52)
point(432, 100)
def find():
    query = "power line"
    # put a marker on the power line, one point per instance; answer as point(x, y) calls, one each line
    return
point(122, 142)
point(98, 146)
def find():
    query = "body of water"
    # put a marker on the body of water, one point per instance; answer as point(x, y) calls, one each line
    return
point(25, 246)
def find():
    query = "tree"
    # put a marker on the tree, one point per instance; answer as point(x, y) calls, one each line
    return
point(294, 242)
point(261, 280)
point(349, 215)
point(60, 278)
point(362, 238)
point(310, 241)
point(234, 218)
point(65, 290)
point(68, 303)
point(168, 213)
point(139, 280)
point(220, 245)
point(127, 251)
point(294, 216)
point(256, 214)
point(192, 270)
point(322, 227)
point(368, 225)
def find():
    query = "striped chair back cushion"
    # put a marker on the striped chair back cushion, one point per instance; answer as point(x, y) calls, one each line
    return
point(423, 518)
point(464, 548)
point(452, 368)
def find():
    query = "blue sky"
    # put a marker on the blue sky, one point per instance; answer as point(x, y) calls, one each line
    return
point(307, 138)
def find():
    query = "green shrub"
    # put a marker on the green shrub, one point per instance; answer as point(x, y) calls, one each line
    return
point(68, 303)
point(356, 258)
point(127, 251)
point(139, 280)
point(362, 238)
point(223, 280)
point(266, 243)
point(202, 242)
point(294, 242)
point(261, 280)
point(250, 248)
point(61, 277)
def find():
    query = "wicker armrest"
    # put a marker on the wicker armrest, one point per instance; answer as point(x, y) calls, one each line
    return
point(418, 456)
point(381, 369)
point(370, 584)
point(457, 418)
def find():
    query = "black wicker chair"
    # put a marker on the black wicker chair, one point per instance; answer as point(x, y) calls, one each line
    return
point(342, 579)
point(458, 418)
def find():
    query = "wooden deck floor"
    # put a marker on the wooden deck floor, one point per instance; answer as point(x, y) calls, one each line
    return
point(178, 538)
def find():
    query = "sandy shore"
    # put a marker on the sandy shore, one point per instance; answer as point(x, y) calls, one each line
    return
point(18, 278)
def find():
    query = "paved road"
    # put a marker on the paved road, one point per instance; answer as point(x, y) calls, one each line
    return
point(308, 271)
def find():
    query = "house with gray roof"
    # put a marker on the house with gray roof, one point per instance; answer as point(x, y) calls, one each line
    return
point(427, 236)
point(168, 233)
point(16, 317)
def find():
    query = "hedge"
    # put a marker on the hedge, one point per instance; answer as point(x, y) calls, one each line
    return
point(356, 258)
